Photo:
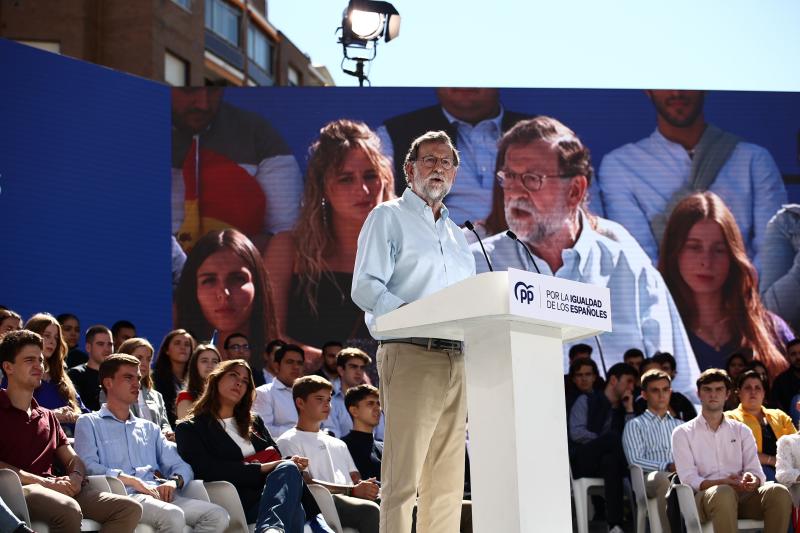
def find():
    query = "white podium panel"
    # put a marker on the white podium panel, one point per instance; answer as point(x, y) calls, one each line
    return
point(513, 325)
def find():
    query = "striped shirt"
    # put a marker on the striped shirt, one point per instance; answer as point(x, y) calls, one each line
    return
point(647, 440)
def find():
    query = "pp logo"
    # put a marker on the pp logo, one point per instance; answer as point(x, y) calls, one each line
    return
point(523, 293)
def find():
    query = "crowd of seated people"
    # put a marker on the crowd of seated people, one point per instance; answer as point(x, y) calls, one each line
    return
point(224, 398)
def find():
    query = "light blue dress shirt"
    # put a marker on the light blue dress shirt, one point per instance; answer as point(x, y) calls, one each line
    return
point(643, 314)
point(404, 254)
point(136, 447)
point(636, 181)
point(471, 195)
point(780, 265)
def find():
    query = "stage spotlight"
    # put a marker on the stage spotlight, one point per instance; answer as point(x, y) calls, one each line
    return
point(364, 22)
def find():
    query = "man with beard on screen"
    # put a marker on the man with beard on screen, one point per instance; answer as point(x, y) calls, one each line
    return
point(641, 182)
point(545, 170)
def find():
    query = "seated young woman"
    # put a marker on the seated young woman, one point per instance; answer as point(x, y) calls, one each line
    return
point(205, 358)
point(223, 441)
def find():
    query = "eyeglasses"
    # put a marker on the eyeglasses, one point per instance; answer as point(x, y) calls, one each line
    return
point(429, 161)
point(239, 348)
point(530, 181)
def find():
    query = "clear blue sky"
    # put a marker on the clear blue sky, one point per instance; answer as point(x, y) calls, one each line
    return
point(711, 44)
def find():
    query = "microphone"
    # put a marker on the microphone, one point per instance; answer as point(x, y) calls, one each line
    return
point(513, 236)
point(470, 227)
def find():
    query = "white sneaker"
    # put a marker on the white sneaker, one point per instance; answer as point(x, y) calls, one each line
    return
point(616, 529)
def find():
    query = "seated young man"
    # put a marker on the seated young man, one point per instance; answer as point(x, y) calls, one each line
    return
point(273, 401)
point(329, 461)
point(717, 457)
point(115, 443)
point(351, 364)
point(680, 406)
point(647, 439)
point(595, 429)
point(33, 440)
point(364, 407)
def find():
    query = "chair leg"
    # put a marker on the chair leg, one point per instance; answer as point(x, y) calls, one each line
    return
point(582, 511)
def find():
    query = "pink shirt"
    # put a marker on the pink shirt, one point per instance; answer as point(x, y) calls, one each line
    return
point(701, 453)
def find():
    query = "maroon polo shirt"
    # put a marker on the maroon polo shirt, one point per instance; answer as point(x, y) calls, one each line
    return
point(29, 442)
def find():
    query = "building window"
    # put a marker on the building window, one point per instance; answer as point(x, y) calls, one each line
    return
point(185, 4)
point(176, 70)
point(47, 46)
point(292, 77)
point(259, 48)
point(223, 19)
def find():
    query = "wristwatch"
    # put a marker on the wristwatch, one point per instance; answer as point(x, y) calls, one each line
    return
point(178, 479)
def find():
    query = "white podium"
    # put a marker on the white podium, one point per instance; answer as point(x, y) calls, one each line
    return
point(513, 325)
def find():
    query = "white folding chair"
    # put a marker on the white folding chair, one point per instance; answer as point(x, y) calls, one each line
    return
point(224, 494)
point(581, 489)
point(691, 517)
point(645, 507)
point(328, 507)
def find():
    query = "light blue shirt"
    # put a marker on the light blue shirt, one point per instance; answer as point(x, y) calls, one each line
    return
point(643, 314)
point(404, 255)
point(647, 440)
point(340, 421)
point(636, 181)
point(780, 265)
point(136, 447)
point(471, 195)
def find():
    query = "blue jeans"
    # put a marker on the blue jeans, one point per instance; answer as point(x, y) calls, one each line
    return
point(280, 506)
point(8, 520)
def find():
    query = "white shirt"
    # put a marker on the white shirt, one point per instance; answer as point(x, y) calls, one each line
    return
point(329, 460)
point(275, 406)
point(233, 432)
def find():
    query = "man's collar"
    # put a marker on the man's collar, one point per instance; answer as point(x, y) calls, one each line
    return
point(497, 121)
point(105, 412)
point(278, 384)
point(586, 239)
point(5, 401)
point(651, 414)
point(418, 205)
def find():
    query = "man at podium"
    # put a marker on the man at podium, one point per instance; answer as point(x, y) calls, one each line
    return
point(409, 248)
point(544, 171)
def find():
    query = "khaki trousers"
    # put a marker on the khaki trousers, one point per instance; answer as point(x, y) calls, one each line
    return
point(423, 394)
point(722, 505)
point(64, 513)
point(656, 485)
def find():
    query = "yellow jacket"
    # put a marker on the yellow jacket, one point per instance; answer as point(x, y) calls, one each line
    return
point(779, 421)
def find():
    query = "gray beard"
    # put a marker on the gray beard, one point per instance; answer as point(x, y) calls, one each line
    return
point(542, 227)
point(432, 194)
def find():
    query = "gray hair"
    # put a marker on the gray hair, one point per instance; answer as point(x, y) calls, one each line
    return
point(429, 137)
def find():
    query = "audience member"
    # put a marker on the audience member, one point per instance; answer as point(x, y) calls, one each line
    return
point(767, 425)
point(787, 467)
point(351, 364)
point(273, 401)
point(717, 457)
point(225, 288)
point(113, 442)
point(647, 439)
point(9, 321)
point(86, 377)
point(475, 120)
point(270, 366)
point(56, 393)
point(121, 331)
point(33, 443)
point(223, 440)
point(329, 369)
point(735, 364)
point(171, 367)
point(205, 358)
point(779, 282)
point(230, 168)
point(579, 350)
point(312, 265)
point(364, 406)
point(680, 406)
point(634, 357)
point(641, 183)
point(583, 378)
point(545, 171)
point(150, 403)
point(787, 384)
point(71, 327)
point(595, 427)
point(704, 263)
point(329, 461)
point(236, 346)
